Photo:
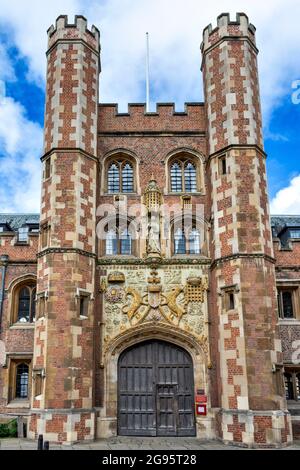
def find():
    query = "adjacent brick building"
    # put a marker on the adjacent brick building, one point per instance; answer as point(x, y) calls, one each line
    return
point(158, 299)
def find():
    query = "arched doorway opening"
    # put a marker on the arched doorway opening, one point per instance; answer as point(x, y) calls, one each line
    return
point(156, 391)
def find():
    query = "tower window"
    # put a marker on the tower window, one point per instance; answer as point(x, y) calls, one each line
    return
point(83, 306)
point(222, 165)
point(120, 178)
point(183, 176)
point(228, 294)
point(45, 230)
point(47, 172)
point(231, 300)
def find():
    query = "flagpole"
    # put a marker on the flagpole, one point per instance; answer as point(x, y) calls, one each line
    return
point(147, 75)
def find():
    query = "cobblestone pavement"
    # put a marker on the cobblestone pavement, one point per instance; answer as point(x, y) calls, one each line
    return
point(130, 443)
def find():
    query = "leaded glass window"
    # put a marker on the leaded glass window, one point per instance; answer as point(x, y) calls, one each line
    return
point(22, 381)
point(113, 178)
point(190, 179)
point(183, 176)
point(176, 178)
point(118, 242)
point(194, 242)
point(26, 304)
point(120, 177)
point(127, 178)
point(285, 303)
point(179, 242)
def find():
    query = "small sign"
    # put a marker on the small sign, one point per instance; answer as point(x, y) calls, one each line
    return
point(201, 399)
point(200, 409)
point(200, 391)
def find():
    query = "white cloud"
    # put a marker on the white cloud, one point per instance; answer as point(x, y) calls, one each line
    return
point(175, 28)
point(20, 147)
point(28, 22)
point(6, 68)
point(287, 200)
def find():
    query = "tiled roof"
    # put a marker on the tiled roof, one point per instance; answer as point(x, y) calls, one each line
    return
point(280, 222)
point(15, 221)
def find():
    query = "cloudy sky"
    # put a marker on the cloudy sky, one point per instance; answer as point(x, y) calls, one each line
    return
point(175, 28)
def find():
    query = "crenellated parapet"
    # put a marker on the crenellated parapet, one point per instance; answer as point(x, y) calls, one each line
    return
point(164, 118)
point(238, 29)
point(64, 31)
point(72, 86)
point(231, 85)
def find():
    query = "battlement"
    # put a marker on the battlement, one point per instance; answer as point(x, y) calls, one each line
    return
point(165, 118)
point(64, 30)
point(227, 28)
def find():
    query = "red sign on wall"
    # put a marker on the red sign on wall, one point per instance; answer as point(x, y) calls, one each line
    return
point(201, 399)
point(201, 409)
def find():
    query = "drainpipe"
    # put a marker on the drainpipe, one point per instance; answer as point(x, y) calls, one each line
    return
point(3, 264)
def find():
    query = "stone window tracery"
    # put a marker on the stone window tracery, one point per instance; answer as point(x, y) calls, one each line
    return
point(183, 176)
point(120, 177)
point(186, 241)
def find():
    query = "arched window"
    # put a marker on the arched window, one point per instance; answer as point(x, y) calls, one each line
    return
point(194, 242)
point(111, 243)
point(125, 242)
point(127, 178)
point(187, 241)
point(190, 178)
point(288, 382)
point(113, 178)
point(120, 177)
point(25, 312)
point(179, 242)
point(183, 175)
point(176, 178)
point(118, 241)
point(22, 376)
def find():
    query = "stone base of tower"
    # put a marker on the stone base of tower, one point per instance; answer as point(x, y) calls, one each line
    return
point(63, 426)
point(264, 429)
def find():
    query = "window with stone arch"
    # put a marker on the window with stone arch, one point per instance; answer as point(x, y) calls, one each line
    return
point(184, 174)
point(119, 238)
point(24, 302)
point(121, 175)
point(187, 237)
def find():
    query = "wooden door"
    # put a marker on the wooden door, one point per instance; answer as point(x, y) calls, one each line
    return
point(156, 391)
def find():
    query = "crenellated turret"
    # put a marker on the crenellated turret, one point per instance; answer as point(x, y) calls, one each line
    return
point(63, 361)
point(231, 83)
point(242, 274)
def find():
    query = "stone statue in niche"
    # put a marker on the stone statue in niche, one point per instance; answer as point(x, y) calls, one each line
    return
point(153, 243)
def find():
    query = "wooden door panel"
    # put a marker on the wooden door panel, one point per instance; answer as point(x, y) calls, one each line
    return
point(156, 391)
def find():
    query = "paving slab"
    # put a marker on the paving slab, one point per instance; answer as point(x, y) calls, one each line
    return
point(129, 443)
